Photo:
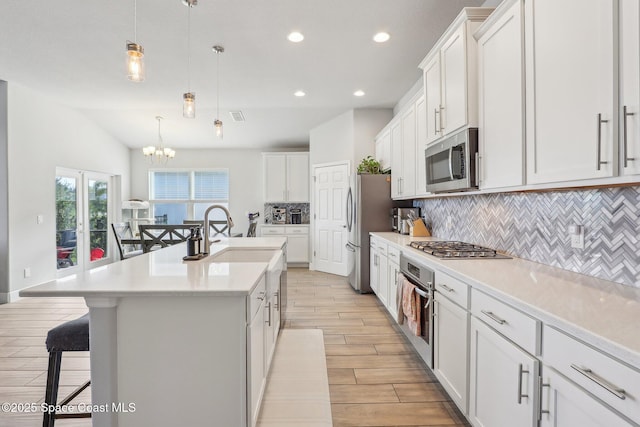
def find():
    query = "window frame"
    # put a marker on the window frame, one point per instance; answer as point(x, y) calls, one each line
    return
point(191, 202)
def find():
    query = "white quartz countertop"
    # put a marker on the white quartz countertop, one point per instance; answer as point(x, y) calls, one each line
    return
point(602, 313)
point(164, 273)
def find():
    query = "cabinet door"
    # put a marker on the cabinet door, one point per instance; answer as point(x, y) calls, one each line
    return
point(408, 182)
point(396, 158)
point(383, 150)
point(501, 87)
point(630, 85)
point(454, 82)
point(563, 404)
point(432, 92)
point(275, 184)
point(298, 177)
point(298, 248)
point(373, 269)
point(256, 375)
point(421, 145)
point(570, 90)
point(383, 280)
point(503, 381)
point(451, 345)
point(392, 274)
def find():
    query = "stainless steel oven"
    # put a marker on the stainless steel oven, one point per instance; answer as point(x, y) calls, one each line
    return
point(422, 277)
point(452, 164)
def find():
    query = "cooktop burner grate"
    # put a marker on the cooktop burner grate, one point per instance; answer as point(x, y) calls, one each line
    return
point(449, 250)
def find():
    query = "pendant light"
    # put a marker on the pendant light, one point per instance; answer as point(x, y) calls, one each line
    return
point(217, 122)
point(135, 52)
point(189, 98)
point(161, 154)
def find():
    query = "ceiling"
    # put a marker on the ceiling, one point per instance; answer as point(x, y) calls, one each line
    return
point(74, 52)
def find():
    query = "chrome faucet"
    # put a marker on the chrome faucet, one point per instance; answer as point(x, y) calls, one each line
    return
point(205, 224)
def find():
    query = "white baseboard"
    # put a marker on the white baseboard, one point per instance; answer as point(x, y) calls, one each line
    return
point(7, 297)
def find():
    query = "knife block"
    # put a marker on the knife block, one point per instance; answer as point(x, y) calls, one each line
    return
point(419, 229)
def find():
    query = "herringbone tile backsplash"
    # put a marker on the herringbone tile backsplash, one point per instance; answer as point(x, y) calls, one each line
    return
point(534, 226)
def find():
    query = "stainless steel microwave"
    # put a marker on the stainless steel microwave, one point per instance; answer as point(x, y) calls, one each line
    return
point(452, 164)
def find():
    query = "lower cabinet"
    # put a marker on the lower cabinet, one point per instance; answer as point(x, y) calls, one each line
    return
point(564, 404)
point(503, 381)
point(373, 267)
point(451, 345)
point(255, 352)
point(297, 240)
point(393, 268)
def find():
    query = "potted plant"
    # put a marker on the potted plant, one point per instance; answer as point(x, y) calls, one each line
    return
point(369, 165)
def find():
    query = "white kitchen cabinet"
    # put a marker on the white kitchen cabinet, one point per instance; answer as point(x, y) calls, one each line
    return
point(449, 72)
point(451, 349)
point(564, 404)
point(421, 145)
point(403, 130)
point(374, 269)
point(286, 177)
point(256, 351)
point(570, 111)
point(378, 277)
point(393, 268)
point(503, 381)
point(501, 142)
point(297, 240)
point(630, 86)
point(383, 149)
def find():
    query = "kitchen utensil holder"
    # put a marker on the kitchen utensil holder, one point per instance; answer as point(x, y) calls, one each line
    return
point(419, 229)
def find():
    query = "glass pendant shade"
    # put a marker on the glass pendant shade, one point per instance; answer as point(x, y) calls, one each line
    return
point(218, 124)
point(135, 62)
point(189, 105)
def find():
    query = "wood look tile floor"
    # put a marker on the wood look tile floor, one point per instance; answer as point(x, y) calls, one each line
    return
point(375, 378)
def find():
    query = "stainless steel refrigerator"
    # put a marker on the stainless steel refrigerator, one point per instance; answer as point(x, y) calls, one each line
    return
point(368, 209)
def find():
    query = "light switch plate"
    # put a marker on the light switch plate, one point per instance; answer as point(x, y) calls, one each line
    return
point(576, 232)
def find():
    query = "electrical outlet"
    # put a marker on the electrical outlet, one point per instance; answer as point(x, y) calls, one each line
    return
point(39, 219)
point(449, 222)
point(27, 272)
point(576, 233)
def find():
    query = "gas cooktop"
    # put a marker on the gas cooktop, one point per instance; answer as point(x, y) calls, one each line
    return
point(456, 250)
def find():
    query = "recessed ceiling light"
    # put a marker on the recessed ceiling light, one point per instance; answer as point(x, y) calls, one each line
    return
point(358, 93)
point(381, 37)
point(295, 37)
point(299, 93)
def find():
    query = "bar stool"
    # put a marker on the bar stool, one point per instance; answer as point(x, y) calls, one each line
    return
point(70, 336)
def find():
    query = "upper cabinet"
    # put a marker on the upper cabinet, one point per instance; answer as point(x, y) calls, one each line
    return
point(286, 177)
point(570, 86)
point(383, 149)
point(630, 85)
point(501, 142)
point(450, 76)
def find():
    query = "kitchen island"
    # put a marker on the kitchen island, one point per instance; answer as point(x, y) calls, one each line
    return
point(175, 342)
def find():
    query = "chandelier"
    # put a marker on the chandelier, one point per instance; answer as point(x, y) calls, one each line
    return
point(160, 154)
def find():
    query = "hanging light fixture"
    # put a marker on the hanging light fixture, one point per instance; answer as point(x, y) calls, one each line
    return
point(161, 154)
point(135, 52)
point(217, 122)
point(189, 98)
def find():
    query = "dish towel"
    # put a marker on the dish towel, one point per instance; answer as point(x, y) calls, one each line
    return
point(399, 285)
point(411, 306)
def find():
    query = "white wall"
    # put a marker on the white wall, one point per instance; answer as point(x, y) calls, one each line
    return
point(43, 135)
point(367, 124)
point(245, 177)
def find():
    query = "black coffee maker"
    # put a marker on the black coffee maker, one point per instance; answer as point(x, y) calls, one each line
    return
point(296, 216)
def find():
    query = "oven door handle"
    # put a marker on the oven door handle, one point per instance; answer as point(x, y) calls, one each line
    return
point(423, 294)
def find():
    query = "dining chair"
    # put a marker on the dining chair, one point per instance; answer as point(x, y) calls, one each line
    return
point(122, 230)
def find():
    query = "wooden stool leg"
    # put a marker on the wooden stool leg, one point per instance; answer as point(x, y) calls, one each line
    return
point(51, 394)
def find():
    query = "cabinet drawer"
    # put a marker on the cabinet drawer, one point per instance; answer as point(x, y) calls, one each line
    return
point(255, 299)
point(382, 248)
point(393, 254)
point(452, 288)
point(297, 230)
point(513, 324)
point(266, 231)
point(611, 381)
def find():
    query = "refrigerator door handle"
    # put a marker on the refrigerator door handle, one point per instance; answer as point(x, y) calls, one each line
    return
point(349, 212)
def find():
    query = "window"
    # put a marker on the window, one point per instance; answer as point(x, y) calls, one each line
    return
point(178, 195)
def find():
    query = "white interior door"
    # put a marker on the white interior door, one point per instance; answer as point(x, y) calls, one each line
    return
point(329, 213)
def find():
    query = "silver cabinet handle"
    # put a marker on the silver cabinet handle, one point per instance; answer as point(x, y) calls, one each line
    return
point(599, 161)
point(269, 310)
point(441, 127)
point(543, 411)
point(521, 371)
point(261, 296)
point(446, 288)
point(493, 317)
point(436, 128)
point(277, 304)
point(611, 388)
point(625, 114)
